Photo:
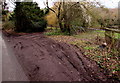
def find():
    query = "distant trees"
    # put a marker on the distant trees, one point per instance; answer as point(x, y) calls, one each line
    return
point(107, 17)
point(72, 13)
point(51, 19)
point(29, 17)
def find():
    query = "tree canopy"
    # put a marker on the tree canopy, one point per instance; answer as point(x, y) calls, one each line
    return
point(29, 17)
point(71, 14)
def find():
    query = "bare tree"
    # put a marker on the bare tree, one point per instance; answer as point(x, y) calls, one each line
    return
point(57, 11)
point(67, 12)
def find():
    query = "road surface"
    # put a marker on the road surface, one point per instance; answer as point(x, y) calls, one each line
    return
point(11, 69)
point(0, 58)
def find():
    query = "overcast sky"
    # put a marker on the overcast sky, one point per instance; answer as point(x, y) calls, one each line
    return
point(106, 3)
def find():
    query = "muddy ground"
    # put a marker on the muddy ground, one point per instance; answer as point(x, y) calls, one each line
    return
point(44, 59)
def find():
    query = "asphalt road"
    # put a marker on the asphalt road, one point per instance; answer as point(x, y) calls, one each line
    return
point(11, 69)
point(0, 57)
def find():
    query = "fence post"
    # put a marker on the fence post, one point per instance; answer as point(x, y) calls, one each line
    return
point(110, 38)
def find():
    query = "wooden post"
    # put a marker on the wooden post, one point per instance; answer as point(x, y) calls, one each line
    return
point(110, 37)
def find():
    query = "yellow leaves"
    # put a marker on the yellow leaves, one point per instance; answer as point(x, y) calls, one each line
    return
point(51, 19)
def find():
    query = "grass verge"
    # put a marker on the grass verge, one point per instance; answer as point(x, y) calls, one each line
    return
point(89, 43)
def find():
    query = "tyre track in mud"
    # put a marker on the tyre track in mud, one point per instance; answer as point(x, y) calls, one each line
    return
point(44, 59)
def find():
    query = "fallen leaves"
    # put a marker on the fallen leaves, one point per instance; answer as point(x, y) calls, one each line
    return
point(88, 43)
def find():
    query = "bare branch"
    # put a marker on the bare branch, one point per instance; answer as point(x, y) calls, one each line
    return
point(73, 5)
point(49, 7)
point(55, 4)
point(59, 10)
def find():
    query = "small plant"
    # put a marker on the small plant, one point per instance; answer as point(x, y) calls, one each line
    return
point(8, 25)
point(100, 31)
point(88, 48)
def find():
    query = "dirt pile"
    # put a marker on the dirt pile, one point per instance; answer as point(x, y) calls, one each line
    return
point(46, 60)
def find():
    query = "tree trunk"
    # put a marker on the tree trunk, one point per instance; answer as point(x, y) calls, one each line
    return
point(61, 27)
point(67, 28)
point(18, 18)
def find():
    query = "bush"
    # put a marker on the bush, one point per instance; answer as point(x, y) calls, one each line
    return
point(8, 25)
point(39, 26)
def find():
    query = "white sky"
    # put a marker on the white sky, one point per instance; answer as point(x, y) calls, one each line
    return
point(110, 3)
point(106, 3)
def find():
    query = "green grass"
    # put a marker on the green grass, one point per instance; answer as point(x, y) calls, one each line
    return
point(90, 34)
point(52, 33)
point(100, 31)
point(117, 35)
point(52, 28)
point(88, 48)
point(55, 32)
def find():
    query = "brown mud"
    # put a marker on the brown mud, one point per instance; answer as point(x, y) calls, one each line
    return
point(44, 59)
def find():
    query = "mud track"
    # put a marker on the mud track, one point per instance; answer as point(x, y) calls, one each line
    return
point(44, 59)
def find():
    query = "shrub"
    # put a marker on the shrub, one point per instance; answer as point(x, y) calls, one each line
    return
point(8, 25)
